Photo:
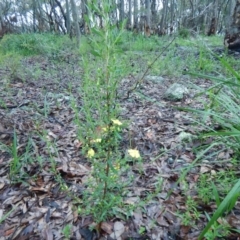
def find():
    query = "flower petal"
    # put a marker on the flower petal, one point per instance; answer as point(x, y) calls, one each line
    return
point(134, 153)
point(116, 122)
point(90, 153)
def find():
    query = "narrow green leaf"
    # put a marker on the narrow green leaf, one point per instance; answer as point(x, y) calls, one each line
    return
point(98, 32)
point(216, 195)
point(222, 208)
point(7, 214)
point(95, 53)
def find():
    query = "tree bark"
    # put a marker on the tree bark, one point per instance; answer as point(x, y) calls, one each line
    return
point(148, 18)
point(121, 10)
point(75, 19)
point(135, 18)
point(84, 14)
point(129, 15)
point(213, 22)
point(232, 36)
point(34, 15)
point(163, 24)
point(63, 14)
point(68, 21)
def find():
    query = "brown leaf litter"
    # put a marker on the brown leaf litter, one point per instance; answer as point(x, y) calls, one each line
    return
point(37, 207)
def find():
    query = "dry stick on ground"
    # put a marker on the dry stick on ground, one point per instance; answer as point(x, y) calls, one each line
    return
point(138, 82)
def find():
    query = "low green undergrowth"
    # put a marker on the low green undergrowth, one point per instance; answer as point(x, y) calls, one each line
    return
point(222, 114)
point(27, 44)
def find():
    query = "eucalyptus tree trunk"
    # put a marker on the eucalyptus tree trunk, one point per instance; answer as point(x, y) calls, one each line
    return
point(68, 21)
point(63, 15)
point(34, 5)
point(148, 13)
point(192, 24)
point(232, 36)
point(52, 16)
point(135, 17)
point(163, 22)
point(113, 14)
point(182, 18)
point(40, 16)
point(142, 22)
point(212, 28)
point(172, 15)
point(121, 10)
point(228, 12)
point(129, 15)
point(154, 13)
point(84, 8)
point(75, 19)
point(148, 18)
point(2, 31)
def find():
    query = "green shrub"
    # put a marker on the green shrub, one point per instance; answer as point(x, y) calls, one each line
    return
point(184, 33)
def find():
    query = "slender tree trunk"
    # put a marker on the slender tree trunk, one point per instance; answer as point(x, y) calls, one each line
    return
point(113, 14)
point(142, 20)
point(40, 17)
point(75, 19)
point(213, 20)
point(68, 21)
point(63, 15)
point(121, 10)
point(129, 14)
point(182, 21)
point(34, 15)
point(172, 15)
point(163, 30)
point(229, 8)
point(154, 14)
point(135, 17)
point(148, 17)
point(84, 14)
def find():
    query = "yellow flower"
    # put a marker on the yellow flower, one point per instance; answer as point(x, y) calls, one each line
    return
point(104, 129)
point(134, 153)
point(116, 166)
point(97, 140)
point(114, 176)
point(90, 153)
point(116, 122)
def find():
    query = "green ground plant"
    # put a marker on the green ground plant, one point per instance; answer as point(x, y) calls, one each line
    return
point(12, 63)
point(190, 215)
point(193, 49)
point(67, 231)
point(223, 111)
point(4, 217)
point(205, 60)
point(100, 126)
point(140, 50)
point(19, 161)
point(223, 182)
point(226, 205)
point(184, 33)
point(133, 42)
point(2, 103)
point(15, 163)
point(219, 229)
point(26, 44)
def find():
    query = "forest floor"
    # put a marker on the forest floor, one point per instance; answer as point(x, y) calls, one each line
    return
point(35, 105)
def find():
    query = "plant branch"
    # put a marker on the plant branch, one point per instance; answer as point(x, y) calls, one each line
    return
point(148, 68)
